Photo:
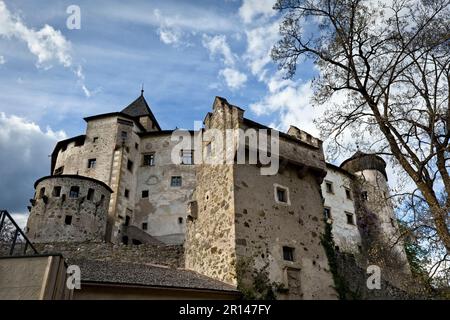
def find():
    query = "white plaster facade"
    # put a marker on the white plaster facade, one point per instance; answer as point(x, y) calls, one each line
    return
point(346, 235)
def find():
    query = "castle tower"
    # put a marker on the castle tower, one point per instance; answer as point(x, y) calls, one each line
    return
point(68, 208)
point(246, 227)
point(377, 223)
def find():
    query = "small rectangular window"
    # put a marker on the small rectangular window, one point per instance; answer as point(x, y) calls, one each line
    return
point(144, 226)
point(282, 195)
point(136, 146)
point(130, 165)
point(74, 192)
point(124, 134)
point(148, 160)
point(127, 193)
point(327, 213)
point(288, 254)
point(329, 186)
point(180, 220)
point(209, 149)
point(59, 171)
point(145, 194)
point(68, 220)
point(42, 193)
point(91, 163)
point(90, 195)
point(350, 218)
point(348, 193)
point(364, 196)
point(175, 181)
point(57, 191)
point(187, 157)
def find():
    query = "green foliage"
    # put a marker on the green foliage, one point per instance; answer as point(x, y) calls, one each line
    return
point(340, 284)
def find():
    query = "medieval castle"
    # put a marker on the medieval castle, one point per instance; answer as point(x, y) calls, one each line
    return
point(118, 184)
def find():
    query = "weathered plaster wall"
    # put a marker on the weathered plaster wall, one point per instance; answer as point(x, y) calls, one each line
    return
point(346, 236)
point(165, 209)
point(264, 226)
point(47, 218)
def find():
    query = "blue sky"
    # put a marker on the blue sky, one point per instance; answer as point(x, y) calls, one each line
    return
point(185, 53)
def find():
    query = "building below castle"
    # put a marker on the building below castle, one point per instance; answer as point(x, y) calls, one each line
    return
point(119, 184)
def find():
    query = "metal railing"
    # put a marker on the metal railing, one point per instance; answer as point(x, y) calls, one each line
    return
point(13, 240)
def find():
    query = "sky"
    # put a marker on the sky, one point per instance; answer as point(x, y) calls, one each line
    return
point(184, 53)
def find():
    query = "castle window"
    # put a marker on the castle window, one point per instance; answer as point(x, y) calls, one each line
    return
point(327, 213)
point(95, 139)
point(288, 253)
point(41, 193)
point(136, 146)
point(348, 193)
point(144, 226)
point(102, 198)
point(59, 171)
point(91, 163)
point(127, 193)
point(350, 218)
point(187, 157)
point(124, 134)
point(74, 192)
point(130, 165)
point(281, 194)
point(364, 196)
point(329, 186)
point(127, 221)
point(180, 220)
point(148, 160)
point(56, 191)
point(68, 220)
point(145, 194)
point(175, 181)
point(90, 195)
point(209, 149)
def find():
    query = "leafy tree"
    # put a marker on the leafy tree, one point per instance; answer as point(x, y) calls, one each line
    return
point(390, 63)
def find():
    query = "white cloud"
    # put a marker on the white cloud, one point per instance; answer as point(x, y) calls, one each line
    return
point(25, 148)
point(2, 60)
point(218, 45)
point(259, 45)
point(252, 9)
point(169, 30)
point(47, 44)
point(233, 78)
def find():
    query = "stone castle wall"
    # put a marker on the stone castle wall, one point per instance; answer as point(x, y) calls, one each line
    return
point(264, 226)
point(62, 218)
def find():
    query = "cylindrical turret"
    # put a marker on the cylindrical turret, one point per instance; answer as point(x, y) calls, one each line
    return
point(68, 208)
point(377, 221)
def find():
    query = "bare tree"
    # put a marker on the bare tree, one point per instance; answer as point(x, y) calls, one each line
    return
point(391, 61)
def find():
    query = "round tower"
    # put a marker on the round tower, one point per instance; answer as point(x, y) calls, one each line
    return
point(68, 208)
point(376, 219)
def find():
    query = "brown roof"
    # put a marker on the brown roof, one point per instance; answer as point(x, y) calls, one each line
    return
point(111, 272)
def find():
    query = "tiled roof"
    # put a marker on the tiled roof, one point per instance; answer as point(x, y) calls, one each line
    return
point(110, 272)
point(140, 108)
